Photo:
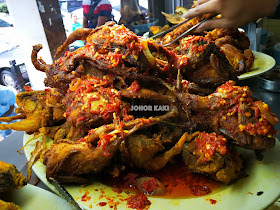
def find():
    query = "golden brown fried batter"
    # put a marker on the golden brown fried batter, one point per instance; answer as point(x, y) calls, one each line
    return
point(142, 151)
point(235, 57)
point(33, 109)
point(225, 40)
point(68, 161)
point(8, 206)
point(249, 58)
point(10, 177)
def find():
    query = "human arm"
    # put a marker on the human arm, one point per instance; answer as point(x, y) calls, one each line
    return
point(101, 20)
point(85, 22)
point(234, 13)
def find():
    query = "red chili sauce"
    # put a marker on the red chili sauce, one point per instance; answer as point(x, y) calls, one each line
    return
point(177, 179)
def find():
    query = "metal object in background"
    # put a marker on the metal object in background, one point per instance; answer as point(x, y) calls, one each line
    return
point(254, 31)
point(171, 5)
point(64, 193)
point(20, 82)
point(189, 30)
point(270, 80)
point(270, 85)
point(170, 29)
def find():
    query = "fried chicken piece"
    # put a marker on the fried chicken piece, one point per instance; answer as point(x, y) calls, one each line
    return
point(109, 38)
point(10, 177)
point(235, 45)
point(110, 45)
point(250, 58)
point(54, 100)
point(231, 111)
point(210, 154)
point(69, 161)
point(34, 112)
point(238, 38)
point(8, 206)
point(235, 57)
point(225, 40)
point(153, 153)
point(201, 62)
point(91, 102)
point(64, 131)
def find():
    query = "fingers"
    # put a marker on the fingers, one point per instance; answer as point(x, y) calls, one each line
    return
point(201, 2)
point(215, 23)
point(205, 7)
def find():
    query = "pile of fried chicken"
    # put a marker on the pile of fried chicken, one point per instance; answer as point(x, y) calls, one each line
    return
point(87, 107)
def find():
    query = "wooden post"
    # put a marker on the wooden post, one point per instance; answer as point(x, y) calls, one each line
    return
point(30, 29)
point(52, 22)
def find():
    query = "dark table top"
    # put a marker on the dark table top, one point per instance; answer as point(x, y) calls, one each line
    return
point(13, 143)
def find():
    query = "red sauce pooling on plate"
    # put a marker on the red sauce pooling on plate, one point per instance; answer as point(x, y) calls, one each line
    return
point(102, 203)
point(177, 179)
point(212, 201)
point(85, 197)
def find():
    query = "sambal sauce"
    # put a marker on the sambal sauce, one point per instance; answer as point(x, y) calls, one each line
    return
point(177, 179)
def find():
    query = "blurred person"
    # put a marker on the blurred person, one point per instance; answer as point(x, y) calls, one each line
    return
point(235, 13)
point(79, 43)
point(7, 105)
point(96, 13)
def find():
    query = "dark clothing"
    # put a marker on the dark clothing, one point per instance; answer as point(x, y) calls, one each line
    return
point(95, 8)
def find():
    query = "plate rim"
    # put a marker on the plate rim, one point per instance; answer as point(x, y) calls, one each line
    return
point(22, 196)
point(254, 73)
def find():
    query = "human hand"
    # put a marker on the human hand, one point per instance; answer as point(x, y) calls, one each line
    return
point(234, 13)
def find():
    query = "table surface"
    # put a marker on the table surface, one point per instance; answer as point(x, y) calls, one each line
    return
point(13, 143)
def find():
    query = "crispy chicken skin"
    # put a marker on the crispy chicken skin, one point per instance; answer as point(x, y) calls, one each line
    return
point(235, 57)
point(181, 29)
point(153, 153)
point(209, 153)
point(91, 102)
point(32, 109)
point(232, 111)
point(69, 161)
point(10, 177)
point(235, 45)
point(8, 206)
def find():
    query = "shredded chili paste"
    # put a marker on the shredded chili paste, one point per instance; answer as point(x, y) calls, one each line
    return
point(208, 143)
point(138, 201)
